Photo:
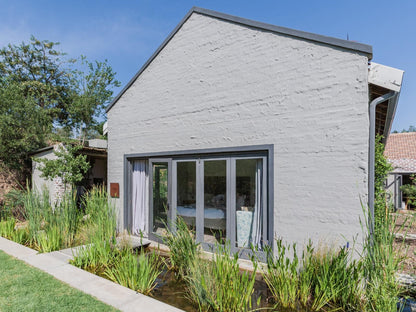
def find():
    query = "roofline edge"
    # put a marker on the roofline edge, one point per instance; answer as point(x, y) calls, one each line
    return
point(350, 45)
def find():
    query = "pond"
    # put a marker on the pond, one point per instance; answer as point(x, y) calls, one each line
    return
point(171, 291)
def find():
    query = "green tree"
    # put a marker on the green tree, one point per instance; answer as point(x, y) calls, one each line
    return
point(70, 165)
point(410, 129)
point(24, 126)
point(43, 92)
point(409, 190)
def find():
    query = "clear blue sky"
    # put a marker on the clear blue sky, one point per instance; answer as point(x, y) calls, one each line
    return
point(127, 32)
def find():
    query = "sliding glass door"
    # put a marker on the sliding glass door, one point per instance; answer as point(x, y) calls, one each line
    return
point(215, 195)
point(249, 213)
point(185, 192)
point(220, 199)
point(160, 195)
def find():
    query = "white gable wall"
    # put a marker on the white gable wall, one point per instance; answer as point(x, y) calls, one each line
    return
point(219, 84)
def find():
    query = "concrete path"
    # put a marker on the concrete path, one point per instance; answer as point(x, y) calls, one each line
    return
point(56, 264)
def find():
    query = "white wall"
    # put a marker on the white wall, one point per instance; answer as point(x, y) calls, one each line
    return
point(54, 187)
point(219, 84)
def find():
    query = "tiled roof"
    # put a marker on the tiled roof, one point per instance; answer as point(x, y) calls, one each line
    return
point(401, 151)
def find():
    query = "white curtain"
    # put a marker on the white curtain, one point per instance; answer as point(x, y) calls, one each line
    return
point(140, 197)
point(258, 209)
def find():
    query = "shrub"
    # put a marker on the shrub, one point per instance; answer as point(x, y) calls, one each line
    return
point(13, 205)
point(409, 190)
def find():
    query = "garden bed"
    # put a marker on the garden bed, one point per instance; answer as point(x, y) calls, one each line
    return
point(317, 279)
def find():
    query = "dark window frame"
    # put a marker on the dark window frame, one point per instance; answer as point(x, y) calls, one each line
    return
point(266, 151)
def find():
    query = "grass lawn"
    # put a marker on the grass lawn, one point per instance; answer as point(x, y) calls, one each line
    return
point(24, 288)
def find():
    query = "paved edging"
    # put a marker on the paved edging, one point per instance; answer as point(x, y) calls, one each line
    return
point(56, 264)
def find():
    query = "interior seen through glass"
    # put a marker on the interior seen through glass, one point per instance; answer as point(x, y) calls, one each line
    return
point(248, 204)
point(186, 192)
point(160, 197)
point(246, 185)
point(215, 200)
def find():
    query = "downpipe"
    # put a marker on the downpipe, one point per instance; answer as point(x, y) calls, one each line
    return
point(371, 161)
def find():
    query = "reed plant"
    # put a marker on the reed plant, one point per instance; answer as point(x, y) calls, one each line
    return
point(20, 236)
point(381, 262)
point(36, 209)
point(183, 248)
point(218, 285)
point(100, 215)
point(282, 275)
point(67, 217)
point(95, 257)
point(323, 279)
point(7, 227)
point(337, 279)
point(137, 272)
point(9, 230)
point(51, 227)
point(49, 239)
point(99, 252)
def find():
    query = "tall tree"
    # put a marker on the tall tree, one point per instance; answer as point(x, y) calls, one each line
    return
point(24, 126)
point(44, 92)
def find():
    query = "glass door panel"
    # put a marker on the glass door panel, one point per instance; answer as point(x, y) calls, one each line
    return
point(186, 192)
point(215, 201)
point(160, 196)
point(248, 206)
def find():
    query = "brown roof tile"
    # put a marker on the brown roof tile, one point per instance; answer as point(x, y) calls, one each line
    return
point(401, 151)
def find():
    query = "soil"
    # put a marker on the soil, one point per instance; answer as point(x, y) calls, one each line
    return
point(406, 226)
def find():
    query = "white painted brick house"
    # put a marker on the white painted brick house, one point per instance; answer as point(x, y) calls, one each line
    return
point(249, 131)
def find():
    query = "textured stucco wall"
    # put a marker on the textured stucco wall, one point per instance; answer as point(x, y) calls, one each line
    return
point(219, 84)
point(55, 187)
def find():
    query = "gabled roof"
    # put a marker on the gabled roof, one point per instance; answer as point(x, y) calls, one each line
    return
point(349, 45)
point(401, 151)
point(97, 146)
point(382, 80)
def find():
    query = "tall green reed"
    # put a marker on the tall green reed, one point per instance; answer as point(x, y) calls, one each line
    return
point(99, 252)
point(282, 276)
point(337, 279)
point(218, 285)
point(7, 227)
point(101, 215)
point(135, 271)
point(323, 279)
point(183, 248)
point(36, 210)
point(381, 262)
point(51, 227)
point(49, 240)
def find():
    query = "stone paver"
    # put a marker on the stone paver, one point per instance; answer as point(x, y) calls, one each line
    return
point(56, 264)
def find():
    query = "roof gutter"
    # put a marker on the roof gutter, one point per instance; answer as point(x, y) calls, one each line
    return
point(371, 161)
